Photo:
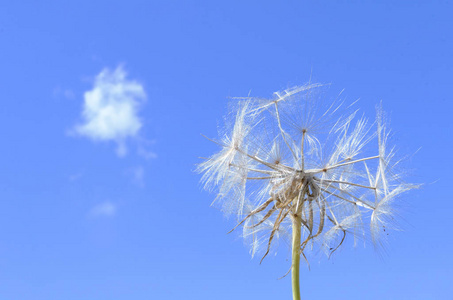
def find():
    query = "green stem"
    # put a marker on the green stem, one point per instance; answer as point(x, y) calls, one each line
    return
point(296, 257)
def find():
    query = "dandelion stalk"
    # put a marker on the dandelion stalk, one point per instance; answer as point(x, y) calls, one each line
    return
point(290, 167)
point(295, 262)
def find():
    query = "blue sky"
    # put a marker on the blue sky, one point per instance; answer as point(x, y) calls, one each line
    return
point(99, 199)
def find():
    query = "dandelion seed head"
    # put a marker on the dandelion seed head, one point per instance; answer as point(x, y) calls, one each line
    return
point(295, 156)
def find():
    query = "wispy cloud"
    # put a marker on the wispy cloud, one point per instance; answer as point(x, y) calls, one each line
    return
point(59, 92)
point(138, 176)
point(105, 209)
point(110, 111)
point(75, 176)
point(143, 150)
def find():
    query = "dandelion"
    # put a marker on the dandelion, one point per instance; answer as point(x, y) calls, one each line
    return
point(297, 167)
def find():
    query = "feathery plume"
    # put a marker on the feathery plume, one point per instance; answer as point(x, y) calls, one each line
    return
point(291, 166)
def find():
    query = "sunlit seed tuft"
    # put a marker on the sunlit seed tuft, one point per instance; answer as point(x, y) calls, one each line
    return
point(294, 157)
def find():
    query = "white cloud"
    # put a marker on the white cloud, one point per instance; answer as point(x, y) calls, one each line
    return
point(110, 111)
point(105, 209)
